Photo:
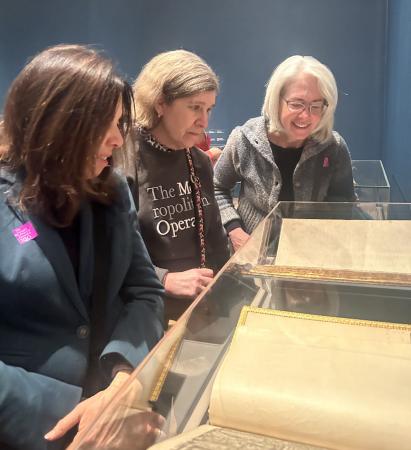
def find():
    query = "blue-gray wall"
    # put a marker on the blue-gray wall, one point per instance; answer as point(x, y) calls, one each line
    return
point(28, 26)
point(396, 151)
point(243, 40)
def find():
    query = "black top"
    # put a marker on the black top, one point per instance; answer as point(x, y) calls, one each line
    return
point(166, 209)
point(70, 236)
point(167, 215)
point(286, 160)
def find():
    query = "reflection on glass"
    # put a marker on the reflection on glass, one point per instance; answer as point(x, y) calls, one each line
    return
point(177, 376)
point(370, 181)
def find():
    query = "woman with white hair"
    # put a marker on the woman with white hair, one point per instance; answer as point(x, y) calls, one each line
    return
point(178, 213)
point(290, 153)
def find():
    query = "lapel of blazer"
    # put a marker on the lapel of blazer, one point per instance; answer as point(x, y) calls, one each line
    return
point(117, 238)
point(86, 255)
point(52, 246)
point(55, 252)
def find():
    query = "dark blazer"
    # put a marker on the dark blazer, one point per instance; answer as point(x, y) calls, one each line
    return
point(45, 319)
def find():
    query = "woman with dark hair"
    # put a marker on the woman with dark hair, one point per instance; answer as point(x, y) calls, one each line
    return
point(80, 301)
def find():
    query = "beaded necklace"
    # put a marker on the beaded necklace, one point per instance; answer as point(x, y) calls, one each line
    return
point(195, 189)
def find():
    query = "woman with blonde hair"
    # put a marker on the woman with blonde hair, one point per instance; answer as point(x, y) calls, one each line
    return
point(290, 153)
point(179, 217)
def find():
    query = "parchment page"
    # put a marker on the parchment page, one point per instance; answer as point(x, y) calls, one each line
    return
point(207, 437)
point(361, 245)
point(339, 386)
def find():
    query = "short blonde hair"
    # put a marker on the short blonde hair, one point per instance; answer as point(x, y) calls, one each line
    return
point(287, 71)
point(170, 75)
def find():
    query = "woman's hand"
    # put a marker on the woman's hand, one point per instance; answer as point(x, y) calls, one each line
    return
point(119, 426)
point(187, 284)
point(238, 237)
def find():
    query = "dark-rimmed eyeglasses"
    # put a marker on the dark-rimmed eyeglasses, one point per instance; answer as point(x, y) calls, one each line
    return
point(316, 108)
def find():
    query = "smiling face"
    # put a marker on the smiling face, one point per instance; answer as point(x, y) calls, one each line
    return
point(298, 126)
point(183, 121)
point(111, 140)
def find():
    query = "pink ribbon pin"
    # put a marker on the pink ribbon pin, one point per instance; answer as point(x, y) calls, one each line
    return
point(25, 233)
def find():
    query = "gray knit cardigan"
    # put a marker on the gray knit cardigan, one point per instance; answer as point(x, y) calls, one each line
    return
point(323, 173)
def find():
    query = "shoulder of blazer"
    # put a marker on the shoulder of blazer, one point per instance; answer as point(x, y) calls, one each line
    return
point(123, 198)
point(10, 186)
point(7, 178)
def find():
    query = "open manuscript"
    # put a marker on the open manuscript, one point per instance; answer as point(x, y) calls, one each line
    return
point(295, 381)
point(367, 251)
point(358, 245)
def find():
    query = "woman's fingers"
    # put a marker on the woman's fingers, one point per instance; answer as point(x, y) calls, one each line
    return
point(65, 424)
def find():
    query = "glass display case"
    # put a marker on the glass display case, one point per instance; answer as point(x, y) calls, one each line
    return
point(371, 280)
point(370, 181)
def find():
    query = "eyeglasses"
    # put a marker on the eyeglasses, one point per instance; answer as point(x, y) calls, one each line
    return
point(315, 108)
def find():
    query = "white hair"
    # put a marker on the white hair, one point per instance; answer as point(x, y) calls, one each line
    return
point(286, 72)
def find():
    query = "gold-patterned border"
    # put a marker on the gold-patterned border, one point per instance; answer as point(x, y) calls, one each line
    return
point(351, 276)
point(155, 393)
point(331, 319)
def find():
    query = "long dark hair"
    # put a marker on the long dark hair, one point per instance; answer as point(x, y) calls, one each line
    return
point(57, 112)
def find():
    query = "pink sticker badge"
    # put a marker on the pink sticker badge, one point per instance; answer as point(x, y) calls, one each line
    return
point(325, 162)
point(25, 233)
